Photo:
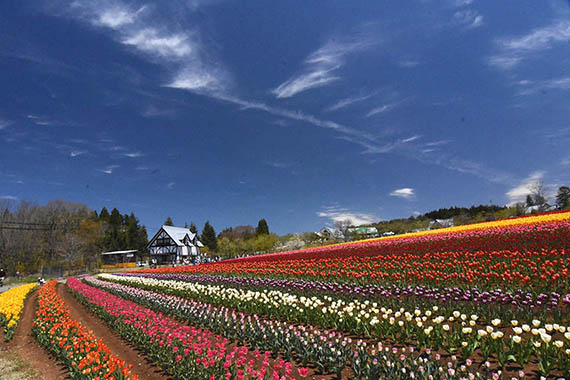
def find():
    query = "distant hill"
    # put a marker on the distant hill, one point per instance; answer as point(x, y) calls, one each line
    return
point(460, 215)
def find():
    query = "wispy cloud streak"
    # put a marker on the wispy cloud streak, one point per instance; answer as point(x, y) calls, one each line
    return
point(348, 101)
point(76, 153)
point(513, 51)
point(405, 193)
point(381, 109)
point(529, 87)
point(156, 37)
point(321, 67)
point(133, 154)
point(5, 123)
point(469, 18)
point(109, 169)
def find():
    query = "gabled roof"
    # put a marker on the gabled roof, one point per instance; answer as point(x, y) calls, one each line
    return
point(118, 252)
point(330, 231)
point(177, 234)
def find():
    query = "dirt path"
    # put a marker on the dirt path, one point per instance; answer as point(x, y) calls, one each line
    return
point(26, 348)
point(116, 344)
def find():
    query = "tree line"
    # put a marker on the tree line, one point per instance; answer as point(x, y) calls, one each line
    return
point(234, 241)
point(70, 235)
point(62, 235)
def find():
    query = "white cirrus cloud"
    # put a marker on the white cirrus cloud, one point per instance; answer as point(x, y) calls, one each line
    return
point(109, 169)
point(520, 192)
point(76, 153)
point(107, 13)
point(532, 87)
point(277, 164)
point(118, 16)
point(338, 214)
point(405, 193)
point(5, 123)
point(437, 143)
point(321, 67)
point(361, 138)
point(41, 120)
point(168, 45)
point(468, 18)
point(133, 154)
point(9, 197)
point(387, 107)
point(151, 33)
point(381, 109)
point(199, 79)
point(461, 3)
point(345, 102)
point(513, 51)
point(411, 138)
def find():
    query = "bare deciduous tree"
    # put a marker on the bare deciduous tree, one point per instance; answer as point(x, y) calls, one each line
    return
point(344, 227)
point(69, 249)
point(538, 195)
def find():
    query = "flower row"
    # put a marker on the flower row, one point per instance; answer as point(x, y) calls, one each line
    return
point(85, 355)
point(542, 270)
point(11, 306)
point(328, 350)
point(428, 328)
point(550, 231)
point(505, 304)
point(184, 351)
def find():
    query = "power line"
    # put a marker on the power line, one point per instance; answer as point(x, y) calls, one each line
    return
point(33, 226)
point(24, 228)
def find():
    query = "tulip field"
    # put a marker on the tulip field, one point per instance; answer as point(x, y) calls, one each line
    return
point(11, 305)
point(482, 301)
point(487, 300)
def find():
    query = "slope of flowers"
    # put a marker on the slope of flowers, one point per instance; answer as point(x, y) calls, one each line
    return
point(184, 351)
point(551, 231)
point(429, 328)
point(85, 355)
point(530, 256)
point(11, 306)
point(329, 350)
point(495, 292)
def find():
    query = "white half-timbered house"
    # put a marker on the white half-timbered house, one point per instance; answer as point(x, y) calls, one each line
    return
point(174, 245)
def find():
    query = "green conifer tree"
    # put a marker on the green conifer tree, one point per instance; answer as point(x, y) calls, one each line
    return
point(209, 237)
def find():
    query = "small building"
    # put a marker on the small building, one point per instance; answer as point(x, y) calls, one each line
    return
point(119, 259)
point(174, 245)
point(330, 233)
point(366, 232)
point(539, 208)
point(441, 223)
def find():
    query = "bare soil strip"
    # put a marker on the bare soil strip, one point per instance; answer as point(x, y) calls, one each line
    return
point(116, 344)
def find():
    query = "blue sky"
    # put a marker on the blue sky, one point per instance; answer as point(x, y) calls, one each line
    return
point(298, 112)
